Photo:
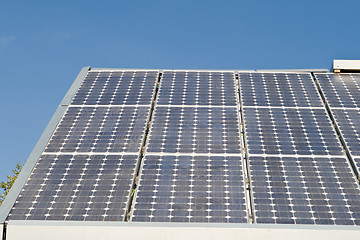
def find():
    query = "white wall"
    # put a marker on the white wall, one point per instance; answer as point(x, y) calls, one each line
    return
point(44, 231)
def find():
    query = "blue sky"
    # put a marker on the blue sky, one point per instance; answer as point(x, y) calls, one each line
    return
point(44, 44)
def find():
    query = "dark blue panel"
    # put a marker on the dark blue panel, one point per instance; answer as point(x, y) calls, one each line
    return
point(278, 89)
point(304, 190)
point(290, 131)
point(348, 122)
point(77, 187)
point(340, 90)
point(117, 88)
point(100, 129)
point(191, 189)
point(197, 88)
point(195, 130)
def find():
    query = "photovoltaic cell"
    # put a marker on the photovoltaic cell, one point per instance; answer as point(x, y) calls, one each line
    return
point(191, 189)
point(340, 90)
point(77, 188)
point(197, 88)
point(194, 130)
point(290, 131)
point(278, 89)
point(117, 88)
point(100, 129)
point(304, 190)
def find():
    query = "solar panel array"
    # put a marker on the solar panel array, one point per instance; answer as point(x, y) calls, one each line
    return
point(87, 168)
point(342, 94)
point(193, 170)
point(199, 153)
point(298, 170)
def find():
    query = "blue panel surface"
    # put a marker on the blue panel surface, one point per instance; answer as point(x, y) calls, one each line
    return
point(348, 121)
point(278, 89)
point(77, 188)
point(304, 190)
point(290, 131)
point(197, 88)
point(191, 189)
point(100, 129)
point(117, 88)
point(194, 130)
point(340, 90)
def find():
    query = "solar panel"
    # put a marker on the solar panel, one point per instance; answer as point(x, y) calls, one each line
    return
point(278, 89)
point(340, 90)
point(87, 169)
point(191, 189)
point(77, 188)
point(304, 190)
point(100, 129)
point(194, 130)
point(197, 88)
point(290, 131)
point(116, 88)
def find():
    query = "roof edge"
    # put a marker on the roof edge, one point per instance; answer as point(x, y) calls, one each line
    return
point(320, 70)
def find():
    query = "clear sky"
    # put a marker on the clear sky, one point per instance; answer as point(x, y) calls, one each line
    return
point(44, 44)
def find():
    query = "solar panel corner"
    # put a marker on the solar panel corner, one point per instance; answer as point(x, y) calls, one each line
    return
point(11, 197)
point(75, 86)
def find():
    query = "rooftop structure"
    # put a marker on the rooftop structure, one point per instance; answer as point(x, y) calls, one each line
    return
point(195, 154)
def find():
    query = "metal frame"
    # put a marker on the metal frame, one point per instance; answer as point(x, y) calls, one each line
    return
point(138, 166)
point(320, 70)
point(164, 70)
point(179, 225)
point(245, 154)
point(39, 147)
point(248, 194)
